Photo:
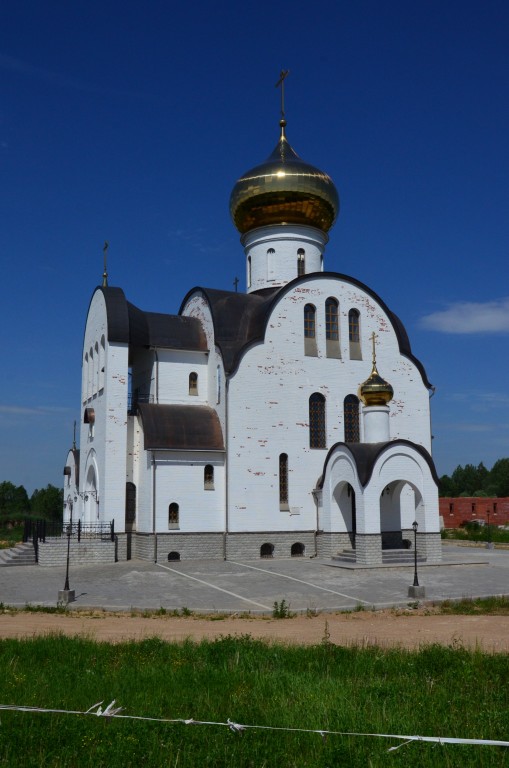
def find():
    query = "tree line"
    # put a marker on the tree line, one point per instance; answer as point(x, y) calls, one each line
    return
point(477, 481)
point(15, 504)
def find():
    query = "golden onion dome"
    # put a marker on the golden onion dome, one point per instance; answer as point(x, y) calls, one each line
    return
point(284, 190)
point(375, 390)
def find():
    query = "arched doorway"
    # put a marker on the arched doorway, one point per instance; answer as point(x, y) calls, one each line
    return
point(344, 496)
point(400, 504)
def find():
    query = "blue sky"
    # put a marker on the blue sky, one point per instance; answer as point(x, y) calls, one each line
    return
point(130, 122)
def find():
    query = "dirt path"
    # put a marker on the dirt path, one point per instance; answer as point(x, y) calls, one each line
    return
point(384, 628)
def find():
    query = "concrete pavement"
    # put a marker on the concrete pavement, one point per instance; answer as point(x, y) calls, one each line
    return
point(254, 586)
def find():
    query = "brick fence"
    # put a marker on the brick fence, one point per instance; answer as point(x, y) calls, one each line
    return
point(455, 511)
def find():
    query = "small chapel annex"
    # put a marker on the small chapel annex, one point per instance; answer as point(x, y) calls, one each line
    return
point(289, 420)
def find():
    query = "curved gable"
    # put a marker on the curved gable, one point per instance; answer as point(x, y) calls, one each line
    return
point(241, 319)
point(366, 455)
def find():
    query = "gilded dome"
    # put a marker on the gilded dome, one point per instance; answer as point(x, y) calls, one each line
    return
point(284, 190)
point(375, 390)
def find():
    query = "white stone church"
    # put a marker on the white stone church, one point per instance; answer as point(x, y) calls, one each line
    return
point(289, 420)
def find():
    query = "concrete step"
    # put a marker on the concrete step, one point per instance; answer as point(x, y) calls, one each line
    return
point(396, 556)
point(21, 554)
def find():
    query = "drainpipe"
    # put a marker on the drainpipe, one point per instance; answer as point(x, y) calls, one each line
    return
point(226, 495)
point(154, 465)
point(157, 374)
point(315, 532)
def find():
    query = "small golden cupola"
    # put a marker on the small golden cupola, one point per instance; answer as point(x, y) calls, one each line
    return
point(375, 390)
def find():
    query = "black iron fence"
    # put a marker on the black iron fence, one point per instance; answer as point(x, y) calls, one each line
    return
point(40, 530)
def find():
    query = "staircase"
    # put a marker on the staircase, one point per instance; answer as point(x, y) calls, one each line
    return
point(389, 557)
point(21, 554)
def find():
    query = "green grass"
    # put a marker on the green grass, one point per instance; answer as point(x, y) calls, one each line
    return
point(10, 536)
point(436, 691)
point(476, 532)
point(493, 606)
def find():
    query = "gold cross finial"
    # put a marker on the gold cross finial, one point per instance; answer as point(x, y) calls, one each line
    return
point(105, 273)
point(373, 341)
point(281, 82)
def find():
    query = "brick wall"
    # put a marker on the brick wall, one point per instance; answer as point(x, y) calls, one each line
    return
point(454, 512)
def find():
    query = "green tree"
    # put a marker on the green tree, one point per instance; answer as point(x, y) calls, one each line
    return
point(48, 503)
point(499, 477)
point(14, 502)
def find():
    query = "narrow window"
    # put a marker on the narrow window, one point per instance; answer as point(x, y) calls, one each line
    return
point(354, 334)
point(249, 271)
point(301, 262)
point(193, 383)
point(102, 362)
point(332, 328)
point(283, 481)
point(331, 320)
point(309, 321)
point(351, 418)
point(96, 368)
point(218, 385)
point(270, 263)
point(208, 477)
point(317, 421)
point(173, 515)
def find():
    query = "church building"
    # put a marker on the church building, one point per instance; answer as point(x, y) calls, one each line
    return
point(289, 420)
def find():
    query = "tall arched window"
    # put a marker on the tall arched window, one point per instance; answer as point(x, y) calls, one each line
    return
point(173, 515)
point(332, 327)
point(301, 262)
point(270, 263)
point(193, 383)
point(317, 438)
point(331, 319)
point(354, 334)
point(351, 418)
point(310, 347)
point(283, 481)
point(208, 477)
point(309, 321)
point(249, 271)
point(102, 362)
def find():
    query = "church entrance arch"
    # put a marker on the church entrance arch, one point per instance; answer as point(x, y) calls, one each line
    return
point(344, 498)
point(91, 499)
point(401, 503)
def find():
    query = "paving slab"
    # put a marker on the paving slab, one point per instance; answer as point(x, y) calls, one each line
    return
point(254, 586)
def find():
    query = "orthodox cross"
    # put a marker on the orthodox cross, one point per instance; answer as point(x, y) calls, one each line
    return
point(236, 283)
point(373, 341)
point(281, 82)
point(105, 273)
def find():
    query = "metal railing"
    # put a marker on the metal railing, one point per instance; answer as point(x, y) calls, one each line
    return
point(40, 530)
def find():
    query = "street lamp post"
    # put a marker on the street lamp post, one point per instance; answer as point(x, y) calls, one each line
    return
point(416, 591)
point(67, 595)
point(489, 544)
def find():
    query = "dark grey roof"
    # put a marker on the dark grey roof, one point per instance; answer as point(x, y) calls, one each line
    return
point(181, 427)
point(240, 319)
point(365, 456)
point(128, 324)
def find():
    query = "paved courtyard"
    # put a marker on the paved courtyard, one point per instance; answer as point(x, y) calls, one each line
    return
point(254, 586)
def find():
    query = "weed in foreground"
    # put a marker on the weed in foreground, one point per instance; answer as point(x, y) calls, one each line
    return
point(281, 610)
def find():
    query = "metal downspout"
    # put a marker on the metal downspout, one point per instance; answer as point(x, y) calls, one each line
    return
point(154, 465)
point(226, 495)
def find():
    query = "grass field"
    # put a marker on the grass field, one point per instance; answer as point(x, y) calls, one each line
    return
point(436, 692)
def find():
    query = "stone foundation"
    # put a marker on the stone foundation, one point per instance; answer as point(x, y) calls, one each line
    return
point(368, 548)
point(329, 544)
point(247, 546)
point(86, 552)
